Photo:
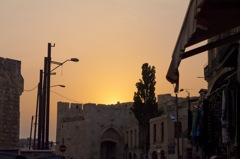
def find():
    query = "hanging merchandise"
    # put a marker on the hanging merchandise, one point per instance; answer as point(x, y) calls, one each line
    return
point(224, 118)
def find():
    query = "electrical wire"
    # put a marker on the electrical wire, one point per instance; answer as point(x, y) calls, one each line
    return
point(6, 72)
point(19, 87)
point(29, 90)
point(64, 97)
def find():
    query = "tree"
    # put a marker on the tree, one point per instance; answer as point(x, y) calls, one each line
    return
point(145, 106)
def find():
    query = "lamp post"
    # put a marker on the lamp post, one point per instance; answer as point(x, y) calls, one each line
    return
point(61, 63)
point(189, 114)
point(44, 101)
point(38, 117)
point(177, 124)
point(48, 80)
point(48, 88)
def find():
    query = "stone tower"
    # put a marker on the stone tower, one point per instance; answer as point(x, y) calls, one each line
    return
point(11, 87)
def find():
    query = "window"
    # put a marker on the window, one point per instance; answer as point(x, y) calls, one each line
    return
point(135, 138)
point(127, 138)
point(154, 133)
point(131, 138)
point(162, 131)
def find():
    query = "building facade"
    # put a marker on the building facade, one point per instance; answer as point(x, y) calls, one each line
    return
point(112, 131)
point(221, 106)
point(132, 136)
point(164, 131)
point(216, 22)
point(11, 83)
point(90, 131)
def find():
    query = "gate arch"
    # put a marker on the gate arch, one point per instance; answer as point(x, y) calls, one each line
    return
point(111, 144)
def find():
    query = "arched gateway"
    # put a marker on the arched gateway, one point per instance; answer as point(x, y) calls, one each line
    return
point(111, 144)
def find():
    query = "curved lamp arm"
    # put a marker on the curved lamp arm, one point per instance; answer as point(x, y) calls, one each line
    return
point(60, 64)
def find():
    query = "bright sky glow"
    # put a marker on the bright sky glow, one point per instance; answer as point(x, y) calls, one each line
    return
point(111, 39)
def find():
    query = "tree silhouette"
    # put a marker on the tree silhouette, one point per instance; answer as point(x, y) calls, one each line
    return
point(145, 106)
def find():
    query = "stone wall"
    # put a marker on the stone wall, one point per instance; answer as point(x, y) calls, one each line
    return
point(11, 87)
point(88, 130)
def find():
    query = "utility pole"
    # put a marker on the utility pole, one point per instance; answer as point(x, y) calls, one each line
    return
point(44, 95)
point(36, 114)
point(48, 93)
point(43, 101)
point(30, 140)
point(40, 110)
point(177, 124)
point(189, 114)
point(35, 122)
point(177, 133)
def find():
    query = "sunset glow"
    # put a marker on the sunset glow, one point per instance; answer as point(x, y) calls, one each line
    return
point(111, 39)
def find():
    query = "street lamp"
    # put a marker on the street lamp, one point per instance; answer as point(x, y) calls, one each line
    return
point(61, 63)
point(177, 124)
point(36, 114)
point(60, 85)
point(44, 108)
point(48, 88)
point(189, 114)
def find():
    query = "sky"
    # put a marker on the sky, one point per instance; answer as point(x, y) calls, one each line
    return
point(111, 39)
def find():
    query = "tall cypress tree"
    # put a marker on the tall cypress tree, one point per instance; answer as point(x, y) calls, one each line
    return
point(145, 106)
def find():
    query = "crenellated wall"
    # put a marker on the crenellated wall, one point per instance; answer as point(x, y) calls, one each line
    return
point(93, 131)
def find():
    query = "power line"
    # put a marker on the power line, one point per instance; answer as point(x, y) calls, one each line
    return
point(10, 77)
point(64, 97)
point(29, 90)
point(6, 72)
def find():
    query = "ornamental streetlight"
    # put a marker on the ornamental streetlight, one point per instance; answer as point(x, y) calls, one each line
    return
point(177, 124)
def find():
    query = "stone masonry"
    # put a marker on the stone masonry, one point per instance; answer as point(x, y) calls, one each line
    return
point(91, 131)
point(11, 87)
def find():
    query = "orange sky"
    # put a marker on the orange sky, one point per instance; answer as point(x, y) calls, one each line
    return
point(111, 38)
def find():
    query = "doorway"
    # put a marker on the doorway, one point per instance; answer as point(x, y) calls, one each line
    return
point(108, 150)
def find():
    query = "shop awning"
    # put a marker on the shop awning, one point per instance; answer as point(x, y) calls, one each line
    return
point(204, 19)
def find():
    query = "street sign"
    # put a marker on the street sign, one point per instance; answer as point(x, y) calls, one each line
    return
point(62, 148)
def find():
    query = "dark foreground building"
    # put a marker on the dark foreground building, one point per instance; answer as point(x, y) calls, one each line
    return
point(219, 122)
point(11, 87)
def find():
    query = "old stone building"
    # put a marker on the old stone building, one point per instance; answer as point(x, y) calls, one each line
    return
point(11, 83)
point(132, 140)
point(221, 105)
point(90, 131)
point(215, 22)
point(163, 130)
